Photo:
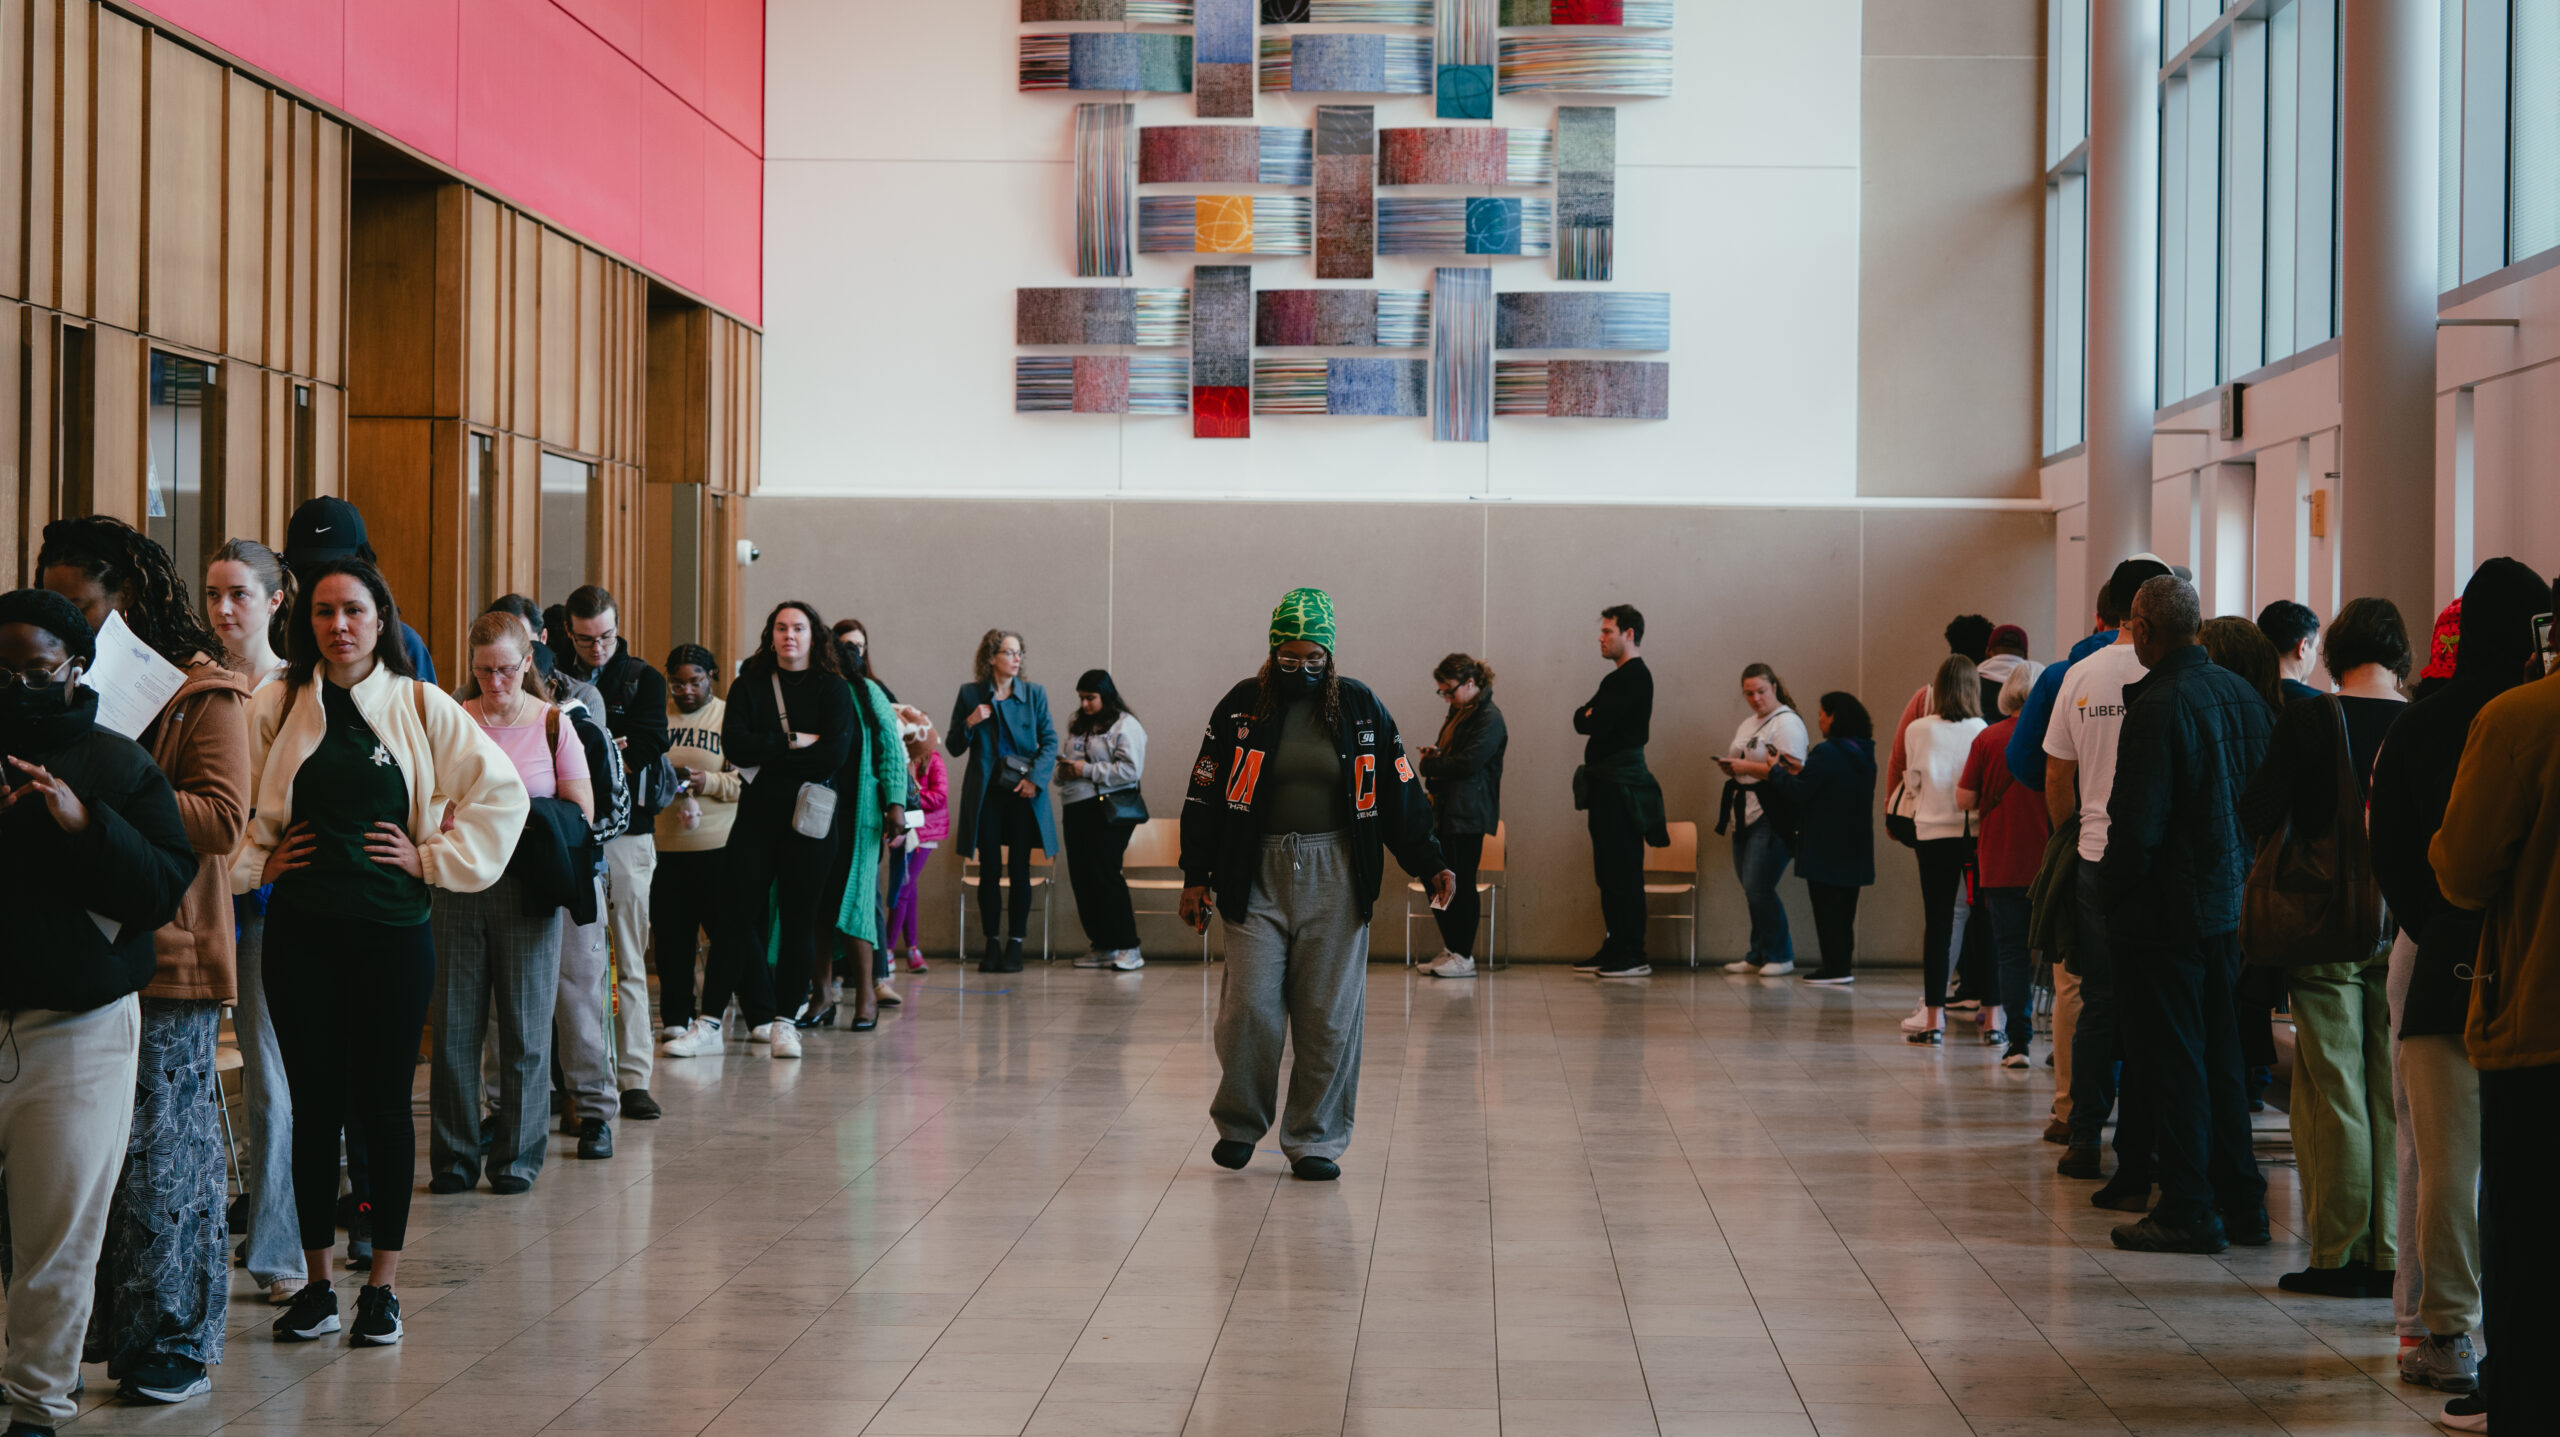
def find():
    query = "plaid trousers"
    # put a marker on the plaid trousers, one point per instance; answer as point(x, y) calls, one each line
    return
point(489, 956)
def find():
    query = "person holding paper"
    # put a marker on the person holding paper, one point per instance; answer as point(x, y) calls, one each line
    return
point(164, 1277)
point(95, 859)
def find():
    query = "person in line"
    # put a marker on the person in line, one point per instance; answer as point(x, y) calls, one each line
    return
point(373, 790)
point(248, 598)
point(1968, 637)
point(635, 713)
point(1619, 793)
point(929, 782)
point(1462, 771)
point(1762, 844)
point(2239, 645)
point(2431, 964)
point(2170, 881)
point(1832, 794)
point(790, 724)
point(327, 529)
point(1099, 807)
point(2497, 855)
point(1301, 787)
point(2079, 778)
point(2026, 745)
point(498, 950)
point(1001, 721)
point(98, 859)
point(1937, 743)
point(2344, 1128)
point(2009, 648)
point(2009, 848)
point(2295, 632)
point(872, 803)
point(164, 1278)
point(693, 899)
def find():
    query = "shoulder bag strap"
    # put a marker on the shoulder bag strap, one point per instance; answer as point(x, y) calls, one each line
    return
point(2350, 816)
point(781, 710)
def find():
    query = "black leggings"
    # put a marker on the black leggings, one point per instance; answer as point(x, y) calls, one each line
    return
point(773, 859)
point(1006, 835)
point(1096, 849)
point(1835, 925)
point(1465, 852)
point(349, 999)
point(1942, 863)
point(693, 896)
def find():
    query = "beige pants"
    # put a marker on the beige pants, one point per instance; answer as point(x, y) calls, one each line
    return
point(64, 1119)
point(629, 863)
point(2066, 1021)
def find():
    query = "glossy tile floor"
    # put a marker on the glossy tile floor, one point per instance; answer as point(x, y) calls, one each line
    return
point(1700, 1205)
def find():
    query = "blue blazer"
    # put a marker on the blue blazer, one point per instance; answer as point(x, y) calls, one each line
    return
point(1025, 720)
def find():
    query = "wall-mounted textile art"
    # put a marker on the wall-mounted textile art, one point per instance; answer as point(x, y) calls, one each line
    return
point(1379, 388)
point(1222, 63)
point(1645, 14)
point(1103, 316)
point(1144, 12)
point(1586, 192)
point(1106, 189)
point(1346, 191)
point(1225, 224)
point(1465, 77)
point(1225, 155)
point(1462, 355)
point(1581, 319)
point(1346, 64)
point(1582, 389)
point(1466, 155)
point(1221, 351)
point(1596, 64)
point(1100, 384)
point(1343, 318)
point(1107, 60)
point(1498, 225)
point(1346, 12)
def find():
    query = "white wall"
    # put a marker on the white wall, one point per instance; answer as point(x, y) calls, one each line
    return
point(910, 188)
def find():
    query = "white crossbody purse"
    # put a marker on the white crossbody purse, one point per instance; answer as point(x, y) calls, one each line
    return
point(813, 813)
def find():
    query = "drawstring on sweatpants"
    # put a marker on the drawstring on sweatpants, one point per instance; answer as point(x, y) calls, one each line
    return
point(9, 1041)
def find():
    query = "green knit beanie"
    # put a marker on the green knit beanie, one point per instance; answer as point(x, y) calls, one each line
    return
point(1304, 614)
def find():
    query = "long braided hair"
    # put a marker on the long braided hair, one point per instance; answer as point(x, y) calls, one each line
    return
point(138, 577)
point(1269, 701)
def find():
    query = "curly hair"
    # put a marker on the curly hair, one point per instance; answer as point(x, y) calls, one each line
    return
point(1464, 669)
point(139, 578)
point(990, 646)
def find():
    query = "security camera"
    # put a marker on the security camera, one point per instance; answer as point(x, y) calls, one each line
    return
point(748, 553)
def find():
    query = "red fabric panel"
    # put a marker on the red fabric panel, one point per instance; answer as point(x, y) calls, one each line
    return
point(671, 47)
point(733, 230)
point(616, 22)
point(735, 50)
point(1589, 12)
point(673, 186)
point(1222, 412)
point(404, 67)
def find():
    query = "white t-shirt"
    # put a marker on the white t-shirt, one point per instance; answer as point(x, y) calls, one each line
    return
point(2088, 718)
point(1763, 739)
point(1933, 752)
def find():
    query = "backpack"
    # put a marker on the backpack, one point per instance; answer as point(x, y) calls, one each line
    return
point(604, 770)
point(653, 787)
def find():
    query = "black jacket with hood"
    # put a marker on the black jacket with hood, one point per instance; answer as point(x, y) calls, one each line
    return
point(2176, 854)
point(635, 698)
point(129, 867)
point(1222, 812)
point(2413, 781)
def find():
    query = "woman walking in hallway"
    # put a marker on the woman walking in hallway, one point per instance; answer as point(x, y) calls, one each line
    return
point(1001, 721)
point(1301, 786)
point(1832, 794)
point(1462, 769)
point(1098, 772)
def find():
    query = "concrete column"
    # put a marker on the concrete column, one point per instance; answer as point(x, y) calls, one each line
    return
point(2124, 276)
point(2389, 81)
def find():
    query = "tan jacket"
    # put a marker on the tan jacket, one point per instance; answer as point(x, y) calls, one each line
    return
point(201, 741)
point(441, 752)
point(2499, 853)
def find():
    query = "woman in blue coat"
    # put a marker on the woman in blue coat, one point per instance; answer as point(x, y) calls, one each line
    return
point(1001, 722)
point(1831, 795)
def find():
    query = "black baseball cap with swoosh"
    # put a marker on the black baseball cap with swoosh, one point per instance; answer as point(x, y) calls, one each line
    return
point(323, 529)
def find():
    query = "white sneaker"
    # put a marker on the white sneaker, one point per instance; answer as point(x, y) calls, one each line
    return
point(786, 1041)
point(1095, 958)
point(763, 1032)
point(1127, 960)
point(669, 1035)
point(701, 1038)
point(1451, 965)
point(1742, 965)
point(1777, 970)
point(1920, 1021)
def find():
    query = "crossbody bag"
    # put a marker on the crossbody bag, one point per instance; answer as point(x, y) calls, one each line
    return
point(813, 812)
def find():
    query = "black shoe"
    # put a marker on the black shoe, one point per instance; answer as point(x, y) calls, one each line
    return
point(360, 1238)
point(1592, 963)
point(2081, 1161)
point(864, 1025)
point(1624, 968)
point(510, 1185)
point(1825, 978)
point(1315, 1169)
point(1013, 955)
point(824, 1018)
point(2152, 1235)
point(638, 1106)
point(2248, 1229)
point(313, 1315)
point(1230, 1153)
point(447, 1184)
point(2121, 1195)
point(595, 1139)
point(1927, 1038)
point(2354, 1279)
point(377, 1318)
point(166, 1379)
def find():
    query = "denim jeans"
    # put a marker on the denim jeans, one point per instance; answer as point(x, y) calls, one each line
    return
point(2007, 909)
point(1760, 859)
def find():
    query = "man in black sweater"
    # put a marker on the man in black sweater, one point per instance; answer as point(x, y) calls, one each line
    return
point(1619, 793)
point(95, 861)
point(635, 697)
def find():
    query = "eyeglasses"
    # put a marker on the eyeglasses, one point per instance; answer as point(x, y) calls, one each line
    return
point(484, 675)
point(594, 641)
point(1448, 691)
point(1295, 666)
point(35, 679)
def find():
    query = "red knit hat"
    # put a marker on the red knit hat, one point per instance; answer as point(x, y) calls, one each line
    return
point(2446, 645)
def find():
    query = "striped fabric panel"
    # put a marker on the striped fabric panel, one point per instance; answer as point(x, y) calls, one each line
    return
point(1648, 14)
point(1630, 14)
point(1044, 383)
point(1408, 67)
point(1283, 224)
point(1605, 64)
point(1582, 319)
point(1466, 31)
point(1635, 321)
point(1164, 318)
point(1462, 355)
point(1442, 226)
point(1590, 252)
point(1537, 226)
point(1466, 155)
point(1174, 12)
point(1045, 61)
point(1520, 388)
point(1159, 384)
point(1226, 224)
point(1106, 185)
point(1145, 12)
point(1279, 62)
point(1346, 64)
point(1288, 156)
point(1404, 318)
point(1289, 386)
point(1532, 158)
point(1368, 12)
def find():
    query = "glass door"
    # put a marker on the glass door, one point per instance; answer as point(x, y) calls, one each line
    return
point(182, 502)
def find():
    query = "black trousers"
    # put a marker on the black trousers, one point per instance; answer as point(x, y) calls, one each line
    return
point(1942, 862)
point(1095, 849)
point(774, 862)
point(1006, 834)
point(349, 999)
point(2520, 1248)
point(2183, 1019)
point(1617, 865)
point(694, 897)
point(1835, 926)
point(1459, 921)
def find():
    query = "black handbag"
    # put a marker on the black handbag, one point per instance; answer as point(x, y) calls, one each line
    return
point(1124, 808)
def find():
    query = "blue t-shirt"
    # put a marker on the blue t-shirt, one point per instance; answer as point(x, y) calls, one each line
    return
point(2026, 743)
point(419, 658)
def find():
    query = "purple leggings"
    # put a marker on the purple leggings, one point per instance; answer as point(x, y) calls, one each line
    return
point(902, 907)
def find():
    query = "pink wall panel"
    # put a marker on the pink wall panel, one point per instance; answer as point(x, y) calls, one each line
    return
point(735, 51)
point(404, 66)
point(617, 21)
point(550, 117)
point(671, 46)
point(733, 229)
point(673, 187)
point(301, 42)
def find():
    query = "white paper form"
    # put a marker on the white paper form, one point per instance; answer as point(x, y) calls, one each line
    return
point(132, 682)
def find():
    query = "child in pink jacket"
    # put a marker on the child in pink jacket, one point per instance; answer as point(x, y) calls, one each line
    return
point(933, 801)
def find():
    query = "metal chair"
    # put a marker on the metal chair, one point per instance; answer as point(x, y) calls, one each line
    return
point(1157, 846)
point(1679, 861)
point(1488, 883)
point(1043, 883)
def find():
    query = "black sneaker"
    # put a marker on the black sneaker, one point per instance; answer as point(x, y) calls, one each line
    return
point(1623, 968)
point(2152, 1235)
point(595, 1138)
point(377, 1318)
point(1315, 1170)
point(2082, 1161)
point(447, 1184)
point(1828, 979)
point(313, 1315)
point(638, 1106)
point(1231, 1154)
point(166, 1379)
point(2248, 1229)
point(2353, 1279)
point(2123, 1195)
point(510, 1185)
point(360, 1238)
point(1592, 963)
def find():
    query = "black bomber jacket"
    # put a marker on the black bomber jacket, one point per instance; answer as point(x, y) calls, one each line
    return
point(1221, 811)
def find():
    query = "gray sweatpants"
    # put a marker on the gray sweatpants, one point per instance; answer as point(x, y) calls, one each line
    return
point(1297, 968)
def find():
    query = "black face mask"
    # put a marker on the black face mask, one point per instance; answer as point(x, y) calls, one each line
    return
point(851, 654)
point(22, 708)
point(1302, 684)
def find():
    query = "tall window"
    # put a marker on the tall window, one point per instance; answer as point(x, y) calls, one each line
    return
point(2066, 222)
point(568, 528)
point(2500, 149)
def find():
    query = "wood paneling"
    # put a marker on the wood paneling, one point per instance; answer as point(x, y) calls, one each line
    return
point(302, 210)
point(483, 302)
point(392, 271)
point(384, 459)
point(15, 496)
point(557, 319)
point(243, 456)
point(116, 411)
point(39, 269)
point(329, 250)
point(116, 207)
point(678, 443)
point(13, 147)
point(184, 283)
point(74, 138)
point(244, 219)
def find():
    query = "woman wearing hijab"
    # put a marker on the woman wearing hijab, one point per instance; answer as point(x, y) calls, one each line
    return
point(1301, 786)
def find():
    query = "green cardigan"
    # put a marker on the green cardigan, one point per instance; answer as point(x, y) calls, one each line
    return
point(860, 810)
